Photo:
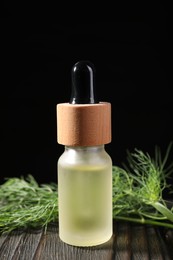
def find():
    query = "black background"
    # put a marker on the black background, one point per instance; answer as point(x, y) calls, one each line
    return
point(131, 49)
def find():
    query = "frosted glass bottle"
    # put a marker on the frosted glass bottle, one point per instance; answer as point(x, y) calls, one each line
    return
point(85, 195)
point(85, 168)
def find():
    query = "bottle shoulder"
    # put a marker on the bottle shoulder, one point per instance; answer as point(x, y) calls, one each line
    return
point(87, 157)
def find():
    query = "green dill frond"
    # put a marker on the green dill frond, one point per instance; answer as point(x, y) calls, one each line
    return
point(23, 204)
point(143, 195)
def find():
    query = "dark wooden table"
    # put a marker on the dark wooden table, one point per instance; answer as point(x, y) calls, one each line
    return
point(129, 241)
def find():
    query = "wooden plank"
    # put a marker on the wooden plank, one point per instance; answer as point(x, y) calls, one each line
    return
point(48, 247)
point(167, 236)
point(102, 252)
point(155, 246)
point(122, 243)
point(28, 245)
point(139, 243)
point(129, 241)
point(2, 239)
point(51, 247)
point(10, 245)
point(166, 250)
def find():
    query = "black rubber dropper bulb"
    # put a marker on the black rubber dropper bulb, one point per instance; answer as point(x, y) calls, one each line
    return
point(83, 83)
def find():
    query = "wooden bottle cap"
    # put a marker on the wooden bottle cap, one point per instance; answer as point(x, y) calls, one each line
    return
point(84, 124)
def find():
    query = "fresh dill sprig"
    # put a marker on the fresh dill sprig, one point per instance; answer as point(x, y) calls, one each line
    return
point(138, 189)
point(25, 204)
point(137, 195)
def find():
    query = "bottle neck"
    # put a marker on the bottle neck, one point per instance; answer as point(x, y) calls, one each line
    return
point(97, 148)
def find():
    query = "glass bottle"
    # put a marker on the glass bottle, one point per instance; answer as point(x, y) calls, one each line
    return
point(84, 168)
point(85, 195)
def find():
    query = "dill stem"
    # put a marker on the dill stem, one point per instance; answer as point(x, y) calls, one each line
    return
point(164, 210)
point(144, 221)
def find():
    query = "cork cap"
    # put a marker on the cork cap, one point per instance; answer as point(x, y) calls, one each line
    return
point(83, 121)
point(84, 124)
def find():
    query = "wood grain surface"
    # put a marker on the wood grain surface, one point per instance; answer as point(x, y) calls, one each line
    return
point(129, 241)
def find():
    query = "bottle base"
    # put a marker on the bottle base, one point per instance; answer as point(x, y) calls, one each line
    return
point(86, 243)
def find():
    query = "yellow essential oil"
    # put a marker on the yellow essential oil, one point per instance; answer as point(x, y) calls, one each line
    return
point(85, 196)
